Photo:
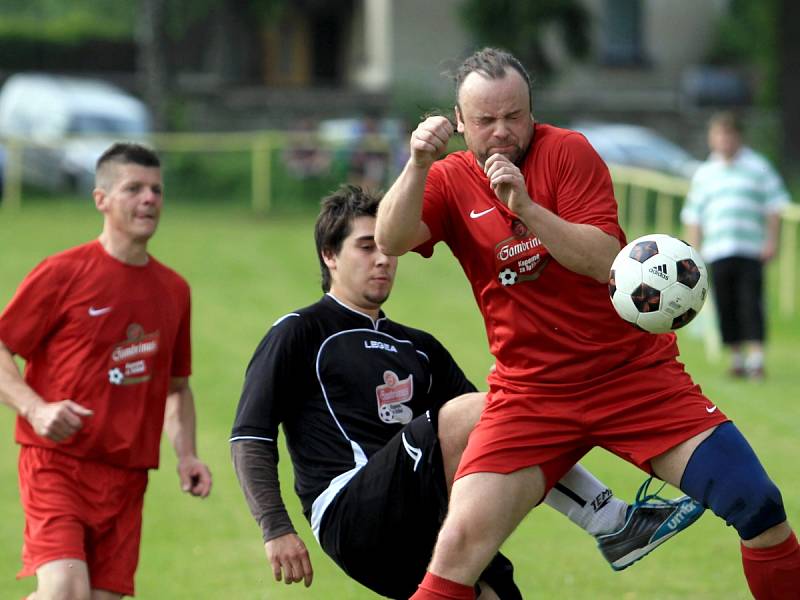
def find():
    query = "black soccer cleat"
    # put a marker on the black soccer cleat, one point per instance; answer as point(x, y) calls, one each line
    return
point(651, 520)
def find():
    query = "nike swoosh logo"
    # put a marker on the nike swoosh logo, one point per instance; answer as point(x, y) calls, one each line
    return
point(96, 312)
point(711, 409)
point(478, 215)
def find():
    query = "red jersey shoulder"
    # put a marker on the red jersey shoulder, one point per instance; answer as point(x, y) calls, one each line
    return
point(63, 267)
point(75, 258)
point(549, 139)
point(169, 275)
point(91, 256)
point(550, 134)
point(455, 175)
point(461, 162)
point(78, 253)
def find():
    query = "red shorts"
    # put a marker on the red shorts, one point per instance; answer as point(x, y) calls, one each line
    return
point(635, 413)
point(81, 509)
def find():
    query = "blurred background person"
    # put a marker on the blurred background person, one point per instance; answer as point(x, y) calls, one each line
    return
point(305, 155)
point(371, 156)
point(732, 213)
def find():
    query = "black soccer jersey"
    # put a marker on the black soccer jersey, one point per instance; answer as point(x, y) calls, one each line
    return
point(342, 385)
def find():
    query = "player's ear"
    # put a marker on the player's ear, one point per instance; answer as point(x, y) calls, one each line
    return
point(459, 120)
point(100, 198)
point(329, 258)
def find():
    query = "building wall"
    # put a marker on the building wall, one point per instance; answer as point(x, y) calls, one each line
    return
point(424, 38)
point(679, 32)
point(674, 32)
point(428, 39)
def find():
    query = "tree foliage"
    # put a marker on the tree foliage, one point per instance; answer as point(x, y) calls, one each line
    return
point(67, 21)
point(101, 19)
point(520, 27)
point(765, 37)
point(746, 36)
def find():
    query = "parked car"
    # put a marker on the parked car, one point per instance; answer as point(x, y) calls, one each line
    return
point(633, 145)
point(65, 123)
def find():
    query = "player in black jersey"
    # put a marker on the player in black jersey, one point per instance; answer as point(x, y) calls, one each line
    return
point(376, 415)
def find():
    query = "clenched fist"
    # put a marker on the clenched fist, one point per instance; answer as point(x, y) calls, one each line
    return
point(429, 140)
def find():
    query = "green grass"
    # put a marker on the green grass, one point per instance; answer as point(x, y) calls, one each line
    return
point(247, 271)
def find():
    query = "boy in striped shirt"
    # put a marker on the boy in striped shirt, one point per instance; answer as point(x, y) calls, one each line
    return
point(732, 213)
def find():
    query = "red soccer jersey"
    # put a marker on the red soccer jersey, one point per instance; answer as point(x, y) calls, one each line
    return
point(109, 336)
point(546, 324)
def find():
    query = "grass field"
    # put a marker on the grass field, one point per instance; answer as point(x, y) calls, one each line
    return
point(245, 272)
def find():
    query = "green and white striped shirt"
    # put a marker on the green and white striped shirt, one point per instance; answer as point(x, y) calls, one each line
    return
point(730, 202)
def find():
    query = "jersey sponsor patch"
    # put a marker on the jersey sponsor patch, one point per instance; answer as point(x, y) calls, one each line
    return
point(392, 397)
point(130, 361)
point(521, 257)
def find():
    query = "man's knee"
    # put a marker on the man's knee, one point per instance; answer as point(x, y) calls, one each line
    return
point(456, 419)
point(453, 538)
point(462, 412)
point(63, 580)
point(725, 475)
point(69, 590)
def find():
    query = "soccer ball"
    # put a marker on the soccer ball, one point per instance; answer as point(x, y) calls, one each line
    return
point(658, 283)
point(507, 277)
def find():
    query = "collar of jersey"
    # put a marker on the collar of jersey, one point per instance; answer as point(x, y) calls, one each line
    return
point(375, 322)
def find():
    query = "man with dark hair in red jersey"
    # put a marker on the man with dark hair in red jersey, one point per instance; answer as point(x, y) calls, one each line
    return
point(104, 330)
point(529, 212)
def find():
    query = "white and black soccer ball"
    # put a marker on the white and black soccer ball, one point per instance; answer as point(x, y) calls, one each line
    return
point(658, 283)
point(507, 277)
point(385, 413)
point(115, 376)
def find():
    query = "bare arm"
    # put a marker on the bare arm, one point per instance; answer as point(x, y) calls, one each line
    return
point(256, 466)
point(694, 235)
point(52, 420)
point(180, 427)
point(581, 248)
point(399, 227)
point(770, 249)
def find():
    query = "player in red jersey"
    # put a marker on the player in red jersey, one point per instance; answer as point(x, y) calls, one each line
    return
point(529, 212)
point(104, 330)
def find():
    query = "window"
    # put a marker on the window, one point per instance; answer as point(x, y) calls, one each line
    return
point(622, 33)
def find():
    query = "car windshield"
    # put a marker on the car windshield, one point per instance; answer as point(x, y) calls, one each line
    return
point(91, 123)
point(639, 147)
point(667, 150)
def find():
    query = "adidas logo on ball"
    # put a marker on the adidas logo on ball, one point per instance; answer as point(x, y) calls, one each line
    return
point(660, 270)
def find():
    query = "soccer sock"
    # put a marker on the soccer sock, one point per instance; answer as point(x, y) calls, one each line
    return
point(587, 502)
point(434, 587)
point(737, 360)
point(754, 360)
point(773, 573)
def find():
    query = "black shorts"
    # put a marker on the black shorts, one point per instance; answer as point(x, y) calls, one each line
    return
point(738, 294)
point(382, 527)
